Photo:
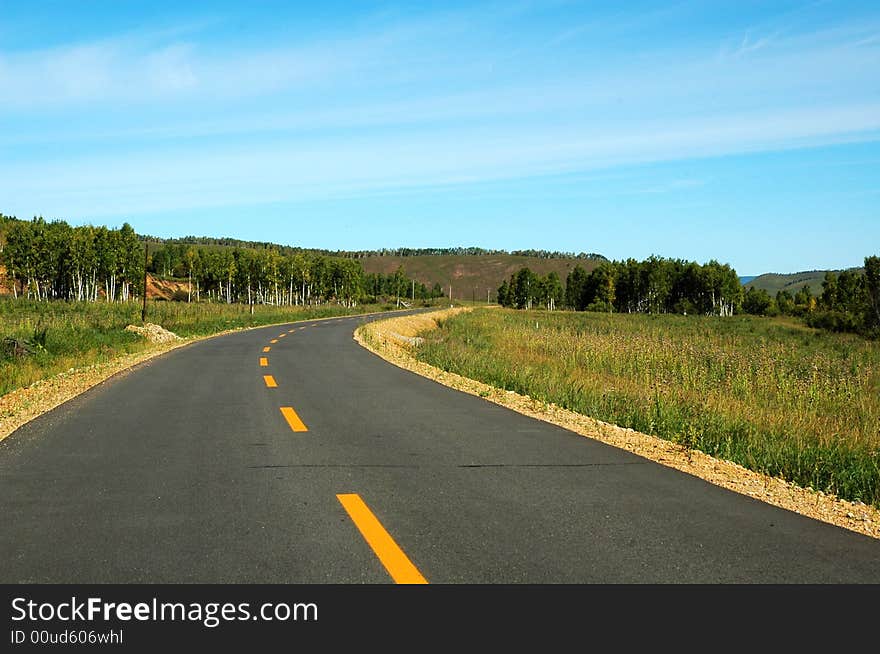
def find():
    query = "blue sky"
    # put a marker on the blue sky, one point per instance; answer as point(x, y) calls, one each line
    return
point(747, 132)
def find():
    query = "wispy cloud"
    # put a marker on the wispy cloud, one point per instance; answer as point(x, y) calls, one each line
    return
point(171, 120)
point(749, 45)
point(147, 69)
point(869, 40)
point(325, 168)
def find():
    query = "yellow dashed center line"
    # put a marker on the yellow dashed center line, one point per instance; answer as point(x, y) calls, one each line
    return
point(264, 361)
point(397, 564)
point(274, 340)
point(291, 331)
point(281, 335)
point(266, 349)
point(292, 419)
point(270, 381)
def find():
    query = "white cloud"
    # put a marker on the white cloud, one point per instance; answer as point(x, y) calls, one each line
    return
point(293, 170)
point(142, 69)
point(357, 115)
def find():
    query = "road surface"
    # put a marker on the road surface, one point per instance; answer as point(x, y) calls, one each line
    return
point(186, 469)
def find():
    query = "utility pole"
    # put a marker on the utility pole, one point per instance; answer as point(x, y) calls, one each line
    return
point(414, 291)
point(144, 309)
point(487, 296)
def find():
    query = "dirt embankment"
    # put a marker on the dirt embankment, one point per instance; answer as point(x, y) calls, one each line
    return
point(392, 340)
point(5, 283)
point(157, 289)
point(164, 289)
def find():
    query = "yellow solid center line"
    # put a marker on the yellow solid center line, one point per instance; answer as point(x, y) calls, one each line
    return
point(397, 564)
point(264, 361)
point(266, 349)
point(274, 340)
point(270, 381)
point(292, 419)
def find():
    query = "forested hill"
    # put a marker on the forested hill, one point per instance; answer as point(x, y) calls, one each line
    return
point(468, 272)
point(363, 254)
point(793, 282)
point(471, 276)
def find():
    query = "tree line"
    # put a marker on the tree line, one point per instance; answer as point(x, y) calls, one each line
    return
point(526, 290)
point(849, 301)
point(361, 254)
point(655, 285)
point(51, 260)
point(467, 252)
point(229, 242)
point(259, 276)
point(48, 260)
point(273, 276)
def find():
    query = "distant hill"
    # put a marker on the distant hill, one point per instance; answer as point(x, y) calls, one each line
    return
point(229, 242)
point(746, 280)
point(793, 282)
point(472, 275)
point(471, 271)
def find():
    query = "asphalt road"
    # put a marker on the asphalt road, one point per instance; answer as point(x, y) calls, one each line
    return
point(184, 469)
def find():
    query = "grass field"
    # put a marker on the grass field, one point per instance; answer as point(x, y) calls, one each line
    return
point(80, 334)
point(770, 395)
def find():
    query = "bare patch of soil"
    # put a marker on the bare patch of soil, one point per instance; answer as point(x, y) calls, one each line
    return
point(164, 289)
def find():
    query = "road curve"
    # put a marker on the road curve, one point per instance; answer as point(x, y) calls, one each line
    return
point(185, 469)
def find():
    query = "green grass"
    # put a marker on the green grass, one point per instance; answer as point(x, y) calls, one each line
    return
point(771, 395)
point(84, 333)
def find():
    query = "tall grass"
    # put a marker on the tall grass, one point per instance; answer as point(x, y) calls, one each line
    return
point(85, 333)
point(773, 396)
